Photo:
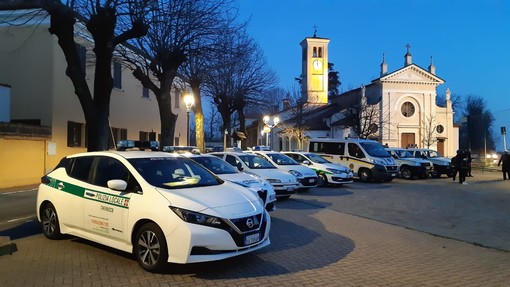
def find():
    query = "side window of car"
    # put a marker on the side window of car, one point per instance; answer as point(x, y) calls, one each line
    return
point(80, 167)
point(354, 150)
point(107, 168)
point(230, 159)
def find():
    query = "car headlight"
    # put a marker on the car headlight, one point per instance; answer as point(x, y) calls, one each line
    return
point(336, 171)
point(273, 180)
point(198, 218)
point(295, 173)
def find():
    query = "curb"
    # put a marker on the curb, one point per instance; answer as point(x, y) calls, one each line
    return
point(7, 246)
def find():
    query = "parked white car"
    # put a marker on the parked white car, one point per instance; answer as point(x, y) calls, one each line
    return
point(161, 207)
point(306, 176)
point(225, 171)
point(410, 166)
point(327, 172)
point(284, 184)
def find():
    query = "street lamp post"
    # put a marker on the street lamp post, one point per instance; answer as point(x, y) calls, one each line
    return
point(189, 101)
point(269, 125)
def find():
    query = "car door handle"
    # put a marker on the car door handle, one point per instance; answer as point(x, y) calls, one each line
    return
point(61, 185)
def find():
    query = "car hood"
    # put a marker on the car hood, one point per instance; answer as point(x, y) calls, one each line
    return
point(305, 171)
point(440, 160)
point(243, 179)
point(336, 166)
point(274, 174)
point(227, 200)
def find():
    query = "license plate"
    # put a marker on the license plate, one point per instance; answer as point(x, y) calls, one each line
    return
point(311, 180)
point(393, 174)
point(250, 239)
point(290, 188)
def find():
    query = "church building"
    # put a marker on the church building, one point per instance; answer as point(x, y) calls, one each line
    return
point(403, 103)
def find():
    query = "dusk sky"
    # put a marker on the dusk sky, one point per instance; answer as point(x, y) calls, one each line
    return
point(469, 41)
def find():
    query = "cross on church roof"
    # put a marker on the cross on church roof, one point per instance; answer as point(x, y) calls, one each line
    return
point(315, 30)
point(408, 47)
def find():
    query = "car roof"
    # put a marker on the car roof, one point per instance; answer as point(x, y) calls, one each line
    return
point(126, 154)
point(231, 153)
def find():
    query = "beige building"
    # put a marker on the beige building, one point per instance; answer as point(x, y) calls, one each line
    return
point(405, 101)
point(40, 94)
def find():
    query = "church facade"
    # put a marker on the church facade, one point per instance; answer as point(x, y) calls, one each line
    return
point(403, 102)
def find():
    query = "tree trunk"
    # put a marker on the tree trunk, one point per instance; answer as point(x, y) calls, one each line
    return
point(199, 116)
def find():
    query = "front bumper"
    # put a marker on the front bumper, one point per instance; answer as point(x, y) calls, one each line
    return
point(307, 182)
point(381, 172)
point(191, 243)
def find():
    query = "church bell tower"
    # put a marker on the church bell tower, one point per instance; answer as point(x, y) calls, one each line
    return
point(314, 70)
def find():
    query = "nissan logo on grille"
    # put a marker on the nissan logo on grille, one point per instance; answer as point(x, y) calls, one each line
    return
point(249, 223)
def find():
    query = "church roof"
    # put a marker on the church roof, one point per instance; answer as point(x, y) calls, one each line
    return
point(410, 74)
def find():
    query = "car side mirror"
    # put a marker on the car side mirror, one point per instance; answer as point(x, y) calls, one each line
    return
point(239, 166)
point(117, 184)
point(306, 162)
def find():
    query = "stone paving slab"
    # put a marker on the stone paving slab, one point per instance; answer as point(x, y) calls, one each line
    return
point(311, 246)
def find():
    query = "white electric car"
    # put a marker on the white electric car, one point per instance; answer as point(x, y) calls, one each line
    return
point(328, 172)
point(306, 176)
point(226, 171)
point(162, 207)
point(284, 184)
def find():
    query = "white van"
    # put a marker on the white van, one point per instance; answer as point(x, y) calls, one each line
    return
point(366, 158)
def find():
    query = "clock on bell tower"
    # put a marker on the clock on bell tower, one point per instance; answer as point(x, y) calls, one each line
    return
point(315, 70)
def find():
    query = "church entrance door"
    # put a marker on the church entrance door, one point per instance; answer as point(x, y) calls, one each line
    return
point(440, 146)
point(407, 140)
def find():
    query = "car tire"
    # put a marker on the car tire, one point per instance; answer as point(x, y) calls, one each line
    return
point(50, 222)
point(322, 180)
point(364, 175)
point(406, 173)
point(436, 174)
point(150, 247)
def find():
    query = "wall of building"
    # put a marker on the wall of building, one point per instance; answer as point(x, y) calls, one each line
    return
point(22, 161)
point(33, 65)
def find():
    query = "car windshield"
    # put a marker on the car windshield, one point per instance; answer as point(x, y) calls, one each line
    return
point(402, 153)
point(255, 162)
point(317, 158)
point(281, 159)
point(433, 154)
point(173, 172)
point(215, 164)
point(375, 149)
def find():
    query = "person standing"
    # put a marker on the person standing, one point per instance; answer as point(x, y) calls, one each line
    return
point(468, 159)
point(461, 166)
point(505, 160)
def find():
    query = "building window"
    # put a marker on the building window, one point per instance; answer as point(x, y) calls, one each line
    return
point(407, 109)
point(320, 52)
point(117, 75)
point(314, 52)
point(82, 54)
point(145, 93)
point(440, 129)
point(74, 134)
point(177, 99)
point(144, 136)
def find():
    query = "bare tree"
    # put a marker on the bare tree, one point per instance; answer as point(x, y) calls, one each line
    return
point(365, 118)
point(213, 120)
point(179, 30)
point(110, 24)
point(240, 77)
point(429, 131)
